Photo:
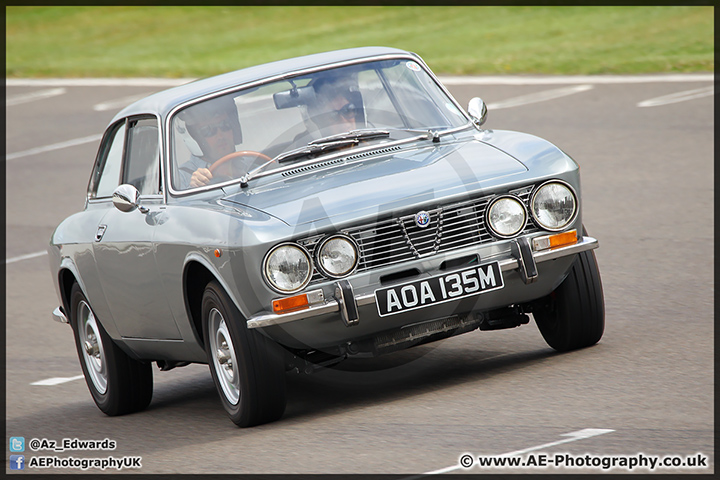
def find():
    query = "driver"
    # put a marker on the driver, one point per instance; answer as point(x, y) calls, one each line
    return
point(210, 130)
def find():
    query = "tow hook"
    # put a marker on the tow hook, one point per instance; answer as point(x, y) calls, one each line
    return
point(505, 318)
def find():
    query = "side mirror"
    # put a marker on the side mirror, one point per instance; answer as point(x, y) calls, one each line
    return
point(125, 198)
point(477, 111)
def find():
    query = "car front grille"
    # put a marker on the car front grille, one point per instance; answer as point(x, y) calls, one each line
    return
point(400, 239)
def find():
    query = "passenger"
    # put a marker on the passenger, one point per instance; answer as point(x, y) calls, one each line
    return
point(338, 107)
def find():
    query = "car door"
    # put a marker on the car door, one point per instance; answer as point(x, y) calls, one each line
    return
point(124, 250)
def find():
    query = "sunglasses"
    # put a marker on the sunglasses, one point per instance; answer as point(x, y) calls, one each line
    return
point(348, 112)
point(211, 130)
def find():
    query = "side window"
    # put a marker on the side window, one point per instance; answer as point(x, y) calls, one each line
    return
point(107, 175)
point(142, 168)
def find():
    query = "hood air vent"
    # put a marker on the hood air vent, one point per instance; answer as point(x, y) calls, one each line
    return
point(373, 152)
point(314, 166)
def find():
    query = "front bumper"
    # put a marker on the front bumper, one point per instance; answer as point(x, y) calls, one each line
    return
point(522, 260)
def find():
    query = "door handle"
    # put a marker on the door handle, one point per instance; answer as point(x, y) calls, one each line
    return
point(100, 232)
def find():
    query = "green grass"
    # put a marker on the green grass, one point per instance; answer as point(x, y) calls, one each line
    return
point(203, 41)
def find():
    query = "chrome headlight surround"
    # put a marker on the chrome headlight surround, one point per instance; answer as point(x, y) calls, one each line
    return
point(326, 243)
point(268, 276)
point(510, 200)
point(568, 219)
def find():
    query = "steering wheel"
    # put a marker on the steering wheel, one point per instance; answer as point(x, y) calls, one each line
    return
point(242, 153)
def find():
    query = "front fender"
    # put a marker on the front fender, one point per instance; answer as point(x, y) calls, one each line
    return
point(230, 287)
point(540, 156)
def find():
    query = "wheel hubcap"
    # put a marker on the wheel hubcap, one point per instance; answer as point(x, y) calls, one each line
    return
point(92, 351)
point(224, 360)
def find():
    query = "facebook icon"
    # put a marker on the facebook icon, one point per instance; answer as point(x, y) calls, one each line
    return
point(17, 462)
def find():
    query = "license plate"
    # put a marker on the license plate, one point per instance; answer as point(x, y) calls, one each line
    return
point(438, 289)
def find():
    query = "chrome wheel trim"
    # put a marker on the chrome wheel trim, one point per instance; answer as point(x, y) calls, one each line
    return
point(92, 347)
point(223, 357)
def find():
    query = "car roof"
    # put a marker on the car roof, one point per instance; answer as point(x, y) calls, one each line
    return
point(163, 102)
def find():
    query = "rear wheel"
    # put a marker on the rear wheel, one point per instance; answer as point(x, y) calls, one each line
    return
point(118, 383)
point(248, 368)
point(574, 315)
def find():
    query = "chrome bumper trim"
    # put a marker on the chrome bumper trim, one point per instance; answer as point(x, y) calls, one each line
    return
point(332, 305)
point(59, 316)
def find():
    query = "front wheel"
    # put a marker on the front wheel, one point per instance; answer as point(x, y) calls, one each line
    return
point(118, 383)
point(574, 314)
point(248, 368)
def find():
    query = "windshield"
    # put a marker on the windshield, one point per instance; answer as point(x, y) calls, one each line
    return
point(223, 138)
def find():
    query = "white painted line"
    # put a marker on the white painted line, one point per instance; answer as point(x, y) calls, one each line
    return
point(25, 257)
point(33, 96)
point(572, 437)
point(56, 380)
point(54, 146)
point(119, 103)
point(96, 82)
point(539, 97)
point(575, 79)
point(678, 97)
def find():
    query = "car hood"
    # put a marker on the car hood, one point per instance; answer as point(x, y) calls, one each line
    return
point(381, 183)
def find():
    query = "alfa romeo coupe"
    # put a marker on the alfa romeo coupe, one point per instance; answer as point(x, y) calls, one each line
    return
point(295, 214)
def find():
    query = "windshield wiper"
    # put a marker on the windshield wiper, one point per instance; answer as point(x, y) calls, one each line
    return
point(312, 149)
point(352, 135)
point(344, 140)
point(306, 151)
point(330, 143)
point(434, 134)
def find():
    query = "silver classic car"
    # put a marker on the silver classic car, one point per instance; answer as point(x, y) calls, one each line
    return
point(292, 215)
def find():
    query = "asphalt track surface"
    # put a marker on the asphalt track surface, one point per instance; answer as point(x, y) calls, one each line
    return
point(645, 147)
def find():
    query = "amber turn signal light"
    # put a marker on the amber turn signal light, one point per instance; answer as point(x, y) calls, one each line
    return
point(290, 304)
point(557, 240)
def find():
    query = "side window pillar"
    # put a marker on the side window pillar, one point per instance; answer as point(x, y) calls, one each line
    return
point(106, 176)
point(142, 164)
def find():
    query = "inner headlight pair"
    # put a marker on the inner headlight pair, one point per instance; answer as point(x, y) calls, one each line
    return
point(288, 267)
point(553, 207)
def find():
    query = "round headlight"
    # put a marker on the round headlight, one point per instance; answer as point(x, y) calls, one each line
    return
point(337, 256)
point(554, 206)
point(288, 268)
point(506, 216)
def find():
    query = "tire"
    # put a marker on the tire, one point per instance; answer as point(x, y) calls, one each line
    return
point(574, 316)
point(118, 383)
point(248, 368)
